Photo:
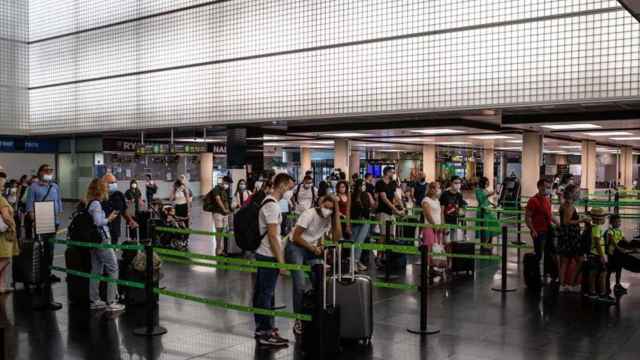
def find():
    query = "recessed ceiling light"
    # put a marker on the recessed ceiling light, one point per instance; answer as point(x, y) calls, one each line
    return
point(514, 141)
point(320, 142)
point(601, 149)
point(346, 134)
point(571, 126)
point(199, 140)
point(571, 146)
point(490, 137)
point(634, 138)
point(454, 143)
point(562, 152)
point(409, 139)
point(373, 145)
point(437, 131)
point(509, 148)
point(608, 133)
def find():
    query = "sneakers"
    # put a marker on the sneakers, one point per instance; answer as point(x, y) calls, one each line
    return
point(97, 305)
point(577, 289)
point(298, 328)
point(606, 299)
point(115, 307)
point(271, 339)
point(361, 267)
point(564, 288)
point(619, 289)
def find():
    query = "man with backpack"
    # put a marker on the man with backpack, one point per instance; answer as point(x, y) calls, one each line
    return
point(217, 202)
point(305, 195)
point(270, 250)
point(116, 202)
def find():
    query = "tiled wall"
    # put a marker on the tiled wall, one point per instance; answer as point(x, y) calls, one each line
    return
point(122, 64)
point(14, 67)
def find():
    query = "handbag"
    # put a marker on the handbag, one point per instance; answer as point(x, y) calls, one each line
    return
point(438, 261)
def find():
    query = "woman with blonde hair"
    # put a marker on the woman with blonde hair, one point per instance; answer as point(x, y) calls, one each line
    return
point(102, 260)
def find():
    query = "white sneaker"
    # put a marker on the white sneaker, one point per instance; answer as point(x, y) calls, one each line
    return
point(97, 305)
point(564, 288)
point(576, 289)
point(361, 267)
point(113, 307)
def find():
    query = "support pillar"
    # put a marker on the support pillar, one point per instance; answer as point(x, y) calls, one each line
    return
point(626, 167)
point(588, 166)
point(206, 173)
point(429, 162)
point(341, 158)
point(488, 160)
point(354, 165)
point(305, 160)
point(531, 161)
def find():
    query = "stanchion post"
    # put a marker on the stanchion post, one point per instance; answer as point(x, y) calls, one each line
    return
point(609, 202)
point(151, 328)
point(387, 253)
point(483, 233)
point(519, 234)
point(616, 209)
point(586, 202)
point(503, 281)
point(424, 286)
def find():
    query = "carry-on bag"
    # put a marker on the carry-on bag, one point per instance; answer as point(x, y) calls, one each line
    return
point(26, 266)
point(354, 297)
point(463, 264)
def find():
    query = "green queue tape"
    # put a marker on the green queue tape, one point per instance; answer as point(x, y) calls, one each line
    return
point(191, 231)
point(396, 286)
point(234, 261)
point(228, 306)
point(96, 245)
point(193, 262)
point(99, 277)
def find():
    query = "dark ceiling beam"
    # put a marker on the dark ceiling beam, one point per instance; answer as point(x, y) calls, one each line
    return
point(519, 119)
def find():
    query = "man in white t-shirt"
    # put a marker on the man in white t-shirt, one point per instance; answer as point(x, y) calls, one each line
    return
point(270, 249)
point(305, 195)
point(306, 246)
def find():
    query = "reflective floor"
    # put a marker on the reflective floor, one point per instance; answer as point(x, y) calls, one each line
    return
point(475, 322)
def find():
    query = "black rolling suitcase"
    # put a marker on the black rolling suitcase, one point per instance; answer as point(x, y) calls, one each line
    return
point(79, 259)
point(321, 336)
point(26, 266)
point(462, 264)
point(531, 271)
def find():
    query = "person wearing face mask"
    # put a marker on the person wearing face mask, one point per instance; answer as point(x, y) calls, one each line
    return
point(306, 245)
point(453, 204)
point(487, 218)
point(180, 196)
point(387, 196)
point(116, 203)
point(305, 195)
point(361, 204)
point(135, 202)
point(420, 188)
point(432, 213)
point(150, 188)
point(539, 218)
point(221, 209)
point(569, 240)
point(45, 189)
point(270, 250)
point(241, 195)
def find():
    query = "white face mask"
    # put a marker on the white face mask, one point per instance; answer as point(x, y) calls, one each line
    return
point(394, 177)
point(134, 186)
point(47, 177)
point(258, 185)
point(225, 186)
point(307, 186)
point(363, 188)
point(113, 187)
point(242, 187)
point(326, 212)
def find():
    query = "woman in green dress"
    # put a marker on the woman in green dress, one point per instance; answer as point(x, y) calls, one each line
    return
point(8, 242)
point(485, 216)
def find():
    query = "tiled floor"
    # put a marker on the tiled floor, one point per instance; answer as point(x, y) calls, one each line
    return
point(475, 322)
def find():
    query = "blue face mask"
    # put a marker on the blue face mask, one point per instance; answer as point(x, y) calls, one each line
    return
point(113, 187)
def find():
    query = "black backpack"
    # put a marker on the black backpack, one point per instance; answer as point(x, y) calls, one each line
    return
point(82, 227)
point(246, 226)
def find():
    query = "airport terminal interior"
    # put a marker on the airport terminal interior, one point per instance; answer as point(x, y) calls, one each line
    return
point(443, 179)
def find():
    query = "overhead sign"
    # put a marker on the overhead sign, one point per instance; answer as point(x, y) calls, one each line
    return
point(218, 149)
point(28, 145)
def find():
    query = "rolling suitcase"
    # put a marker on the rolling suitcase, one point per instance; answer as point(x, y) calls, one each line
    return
point(631, 261)
point(354, 297)
point(26, 266)
point(321, 337)
point(461, 264)
point(79, 259)
point(531, 271)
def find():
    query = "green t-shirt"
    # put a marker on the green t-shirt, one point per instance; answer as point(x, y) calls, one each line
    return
point(615, 236)
point(597, 241)
point(224, 196)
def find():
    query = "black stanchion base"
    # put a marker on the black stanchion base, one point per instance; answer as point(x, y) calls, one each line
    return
point(144, 331)
point(503, 290)
point(279, 307)
point(49, 306)
point(429, 331)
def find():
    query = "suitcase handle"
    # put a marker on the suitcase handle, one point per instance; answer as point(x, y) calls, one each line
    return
point(352, 264)
point(324, 276)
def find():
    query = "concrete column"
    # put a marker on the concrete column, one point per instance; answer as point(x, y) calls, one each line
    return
point(305, 160)
point(354, 164)
point(206, 173)
point(341, 158)
point(588, 166)
point(429, 161)
point(531, 160)
point(488, 161)
point(626, 167)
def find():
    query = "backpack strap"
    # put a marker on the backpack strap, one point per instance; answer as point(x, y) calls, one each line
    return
point(295, 194)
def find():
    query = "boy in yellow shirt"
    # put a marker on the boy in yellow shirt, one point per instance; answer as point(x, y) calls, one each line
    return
point(597, 259)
